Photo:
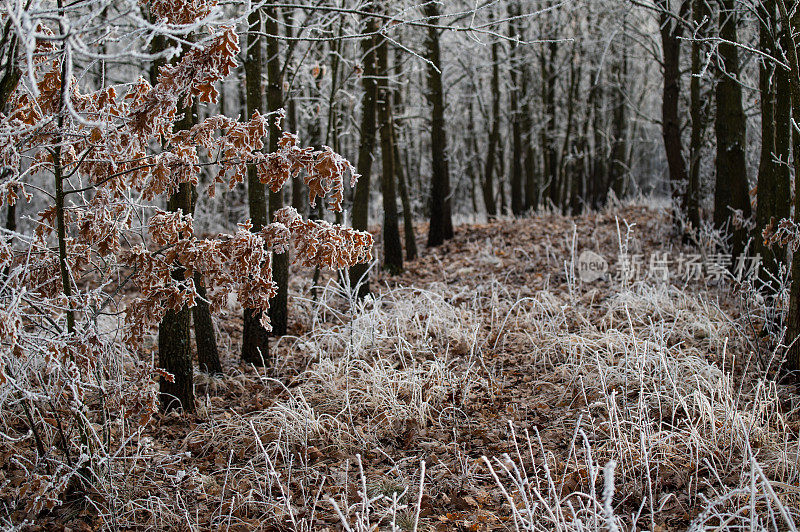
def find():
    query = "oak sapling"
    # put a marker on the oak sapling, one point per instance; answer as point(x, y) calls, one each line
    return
point(102, 250)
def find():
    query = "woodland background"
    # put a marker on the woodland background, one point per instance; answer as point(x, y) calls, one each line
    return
point(204, 327)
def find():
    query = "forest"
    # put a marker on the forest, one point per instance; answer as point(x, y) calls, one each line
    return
point(408, 265)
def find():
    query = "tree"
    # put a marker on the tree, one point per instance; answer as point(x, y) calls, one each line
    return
point(364, 165)
point(517, 157)
point(255, 337)
point(279, 309)
point(494, 136)
point(174, 349)
point(441, 221)
point(105, 139)
point(408, 212)
point(671, 32)
point(392, 248)
point(773, 175)
point(791, 26)
point(698, 112)
point(732, 193)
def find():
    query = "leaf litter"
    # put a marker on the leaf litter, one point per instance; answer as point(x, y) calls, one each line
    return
point(486, 388)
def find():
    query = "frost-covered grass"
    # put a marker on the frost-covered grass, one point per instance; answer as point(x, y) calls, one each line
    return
point(478, 403)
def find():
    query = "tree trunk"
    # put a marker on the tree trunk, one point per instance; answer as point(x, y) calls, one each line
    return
point(11, 72)
point(8, 84)
point(791, 27)
point(298, 194)
point(619, 148)
point(549, 132)
point(670, 114)
point(174, 346)
point(698, 115)
point(408, 212)
point(732, 189)
point(204, 336)
point(597, 178)
point(516, 128)
point(358, 273)
point(174, 349)
point(494, 137)
point(564, 177)
point(392, 248)
point(441, 226)
point(278, 310)
point(769, 206)
point(531, 162)
point(255, 338)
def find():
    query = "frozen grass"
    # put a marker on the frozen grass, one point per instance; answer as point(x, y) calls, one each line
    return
point(657, 407)
point(660, 417)
point(661, 425)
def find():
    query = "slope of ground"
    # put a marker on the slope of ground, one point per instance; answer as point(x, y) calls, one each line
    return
point(487, 388)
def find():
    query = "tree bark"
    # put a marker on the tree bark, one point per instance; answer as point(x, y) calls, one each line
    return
point(204, 337)
point(358, 273)
point(699, 117)
point(487, 187)
point(619, 148)
point(791, 27)
point(278, 310)
point(671, 32)
point(392, 248)
point(531, 162)
point(516, 127)
point(408, 212)
point(732, 189)
point(549, 131)
point(441, 222)
point(770, 206)
point(255, 337)
point(597, 178)
point(174, 347)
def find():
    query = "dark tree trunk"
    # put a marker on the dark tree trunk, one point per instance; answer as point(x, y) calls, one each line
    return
point(619, 148)
point(597, 178)
point(8, 84)
point(11, 71)
point(549, 150)
point(770, 206)
point(671, 32)
point(732, 189)
point(365, 150)
point(699, 118)
point(298, 194)
point(790, 27)
point(204, 337)
point(494, 137)
point(392, 248)
point(408, 212)
point(516, 127)
point(441, 222)
point(174, 349)
point(174, 346)
point(531, 162)
point(255, 338)
point(278, 310)
point(564, 176)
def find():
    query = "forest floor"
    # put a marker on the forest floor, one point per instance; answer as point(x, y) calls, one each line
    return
point(629, 404)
